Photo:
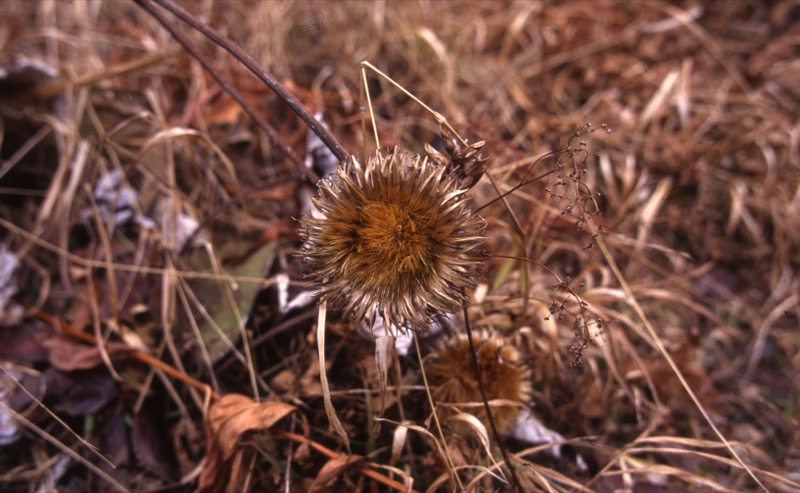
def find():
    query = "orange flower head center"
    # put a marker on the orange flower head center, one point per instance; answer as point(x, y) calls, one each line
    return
point(394, 234)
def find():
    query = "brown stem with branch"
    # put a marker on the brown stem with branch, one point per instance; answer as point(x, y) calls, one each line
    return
point(189, 46)
point(248, 61)
point(365, 470)
point(140, 356)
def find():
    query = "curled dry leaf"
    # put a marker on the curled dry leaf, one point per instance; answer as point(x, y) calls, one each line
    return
point(332, 469)
point(228, 419)
point(66, 354)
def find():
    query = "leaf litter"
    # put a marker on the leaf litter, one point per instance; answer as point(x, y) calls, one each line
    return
point(151, 303)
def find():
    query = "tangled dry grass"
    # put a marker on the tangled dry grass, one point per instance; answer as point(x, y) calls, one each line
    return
point(147, 211)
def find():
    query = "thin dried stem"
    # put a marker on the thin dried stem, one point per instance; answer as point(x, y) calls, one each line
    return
point(450, 466)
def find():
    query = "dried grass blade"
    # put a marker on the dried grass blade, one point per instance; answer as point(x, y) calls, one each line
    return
point(323, 377)
point(671, 362)
point(65, 448)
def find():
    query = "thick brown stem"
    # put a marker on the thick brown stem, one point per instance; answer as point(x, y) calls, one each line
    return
point(313, 124)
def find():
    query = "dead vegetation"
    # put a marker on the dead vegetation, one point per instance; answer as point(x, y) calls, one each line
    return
point(147, 229)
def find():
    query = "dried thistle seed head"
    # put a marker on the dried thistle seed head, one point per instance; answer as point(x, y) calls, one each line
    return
point(394, 238)
point(450, 370)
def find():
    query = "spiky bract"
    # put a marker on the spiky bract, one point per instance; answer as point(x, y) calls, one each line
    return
point(394, 238)
point(450, 370)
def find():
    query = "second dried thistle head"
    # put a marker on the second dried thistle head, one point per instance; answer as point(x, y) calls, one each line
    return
point(394, 238)
point(505, 376)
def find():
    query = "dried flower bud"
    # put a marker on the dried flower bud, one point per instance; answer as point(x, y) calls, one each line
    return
point(450, 372)
point(394, 238)
point(463, 160)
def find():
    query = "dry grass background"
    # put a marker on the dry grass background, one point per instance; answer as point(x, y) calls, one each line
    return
point(699, 190)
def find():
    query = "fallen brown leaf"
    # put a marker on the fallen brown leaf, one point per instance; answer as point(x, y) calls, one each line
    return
point(77, 393)
point(332, 469)
point(229, 418)
point(66, 354)
point(24, 343)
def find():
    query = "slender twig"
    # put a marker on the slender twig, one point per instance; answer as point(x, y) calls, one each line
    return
point(486, 406)
point(75, 455)
point(141, 356)
point(251, 64)
point(51, 89)
point(189, 46)
point(363, 469)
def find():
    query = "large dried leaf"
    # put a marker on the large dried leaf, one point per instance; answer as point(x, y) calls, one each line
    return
point(24, 343)
point(78, 393)
point(220, 328)
point(228, 419)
